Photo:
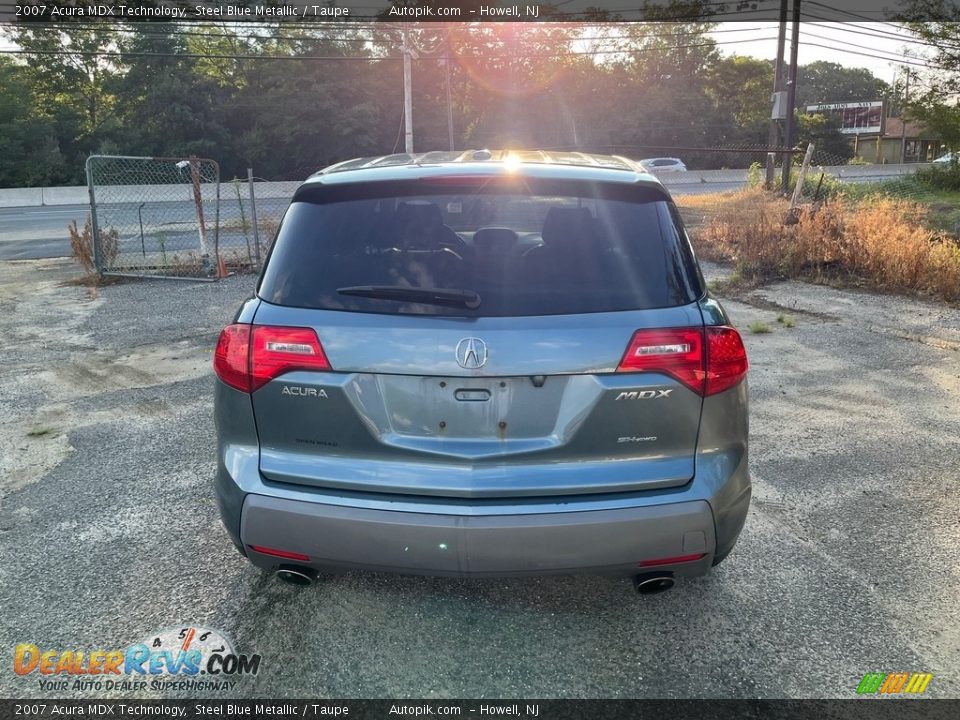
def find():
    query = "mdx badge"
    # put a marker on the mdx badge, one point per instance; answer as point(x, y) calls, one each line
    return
point(644, 394)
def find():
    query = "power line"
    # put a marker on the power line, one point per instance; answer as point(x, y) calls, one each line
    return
point(898, 56)
point(929, 66)
point(230, 56)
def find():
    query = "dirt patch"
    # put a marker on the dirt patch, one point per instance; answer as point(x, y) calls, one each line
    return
point(59, 370)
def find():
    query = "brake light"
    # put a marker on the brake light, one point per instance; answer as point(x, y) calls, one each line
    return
point(706, 361)
point(726, 359)
point(676, 352)
point(232, 357)
point(247, 357)
point(277, 350)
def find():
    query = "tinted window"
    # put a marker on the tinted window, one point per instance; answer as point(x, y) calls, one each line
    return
point(537, 251)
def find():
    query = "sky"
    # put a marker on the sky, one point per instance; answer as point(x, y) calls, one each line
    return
point(848, 44)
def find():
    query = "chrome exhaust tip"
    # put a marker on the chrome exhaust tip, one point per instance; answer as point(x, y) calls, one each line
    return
point(297, 575)
point(652, 583)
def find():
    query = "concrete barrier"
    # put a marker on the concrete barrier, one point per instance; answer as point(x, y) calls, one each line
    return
point(21, 197)
point(77, 195)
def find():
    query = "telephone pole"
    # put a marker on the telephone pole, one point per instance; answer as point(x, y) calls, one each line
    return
point(903, 116)
point(407, 93)
point(779, 100)
point(790, 131)
point(446, 67)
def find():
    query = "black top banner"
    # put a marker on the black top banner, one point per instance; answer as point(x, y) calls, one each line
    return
point(294, 11)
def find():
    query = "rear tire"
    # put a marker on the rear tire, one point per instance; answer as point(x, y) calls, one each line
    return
point(717, 559)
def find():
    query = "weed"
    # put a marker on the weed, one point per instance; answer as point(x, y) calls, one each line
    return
point(758, 327)
point(788, 321)
point(880, 241)
point(81, 245)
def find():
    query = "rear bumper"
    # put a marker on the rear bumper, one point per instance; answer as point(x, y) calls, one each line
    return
point(603, 532)
point(609, 541)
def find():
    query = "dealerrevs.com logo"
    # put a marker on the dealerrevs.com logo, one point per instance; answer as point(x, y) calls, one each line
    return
point(183, 658)
point(894, 683)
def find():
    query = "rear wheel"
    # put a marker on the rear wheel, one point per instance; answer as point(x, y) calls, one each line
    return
point(717, 559)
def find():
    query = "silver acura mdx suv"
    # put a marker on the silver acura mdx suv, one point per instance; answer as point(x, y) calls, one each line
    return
point(482, 363)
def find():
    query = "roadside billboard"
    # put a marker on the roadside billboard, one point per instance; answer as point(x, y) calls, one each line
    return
point(855, 118)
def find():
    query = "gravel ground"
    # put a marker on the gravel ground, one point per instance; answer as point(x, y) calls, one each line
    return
point(847, 565)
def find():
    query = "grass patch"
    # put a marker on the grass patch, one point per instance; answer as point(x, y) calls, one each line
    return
point(880, 242)
point(758, 327)
point(788, 321)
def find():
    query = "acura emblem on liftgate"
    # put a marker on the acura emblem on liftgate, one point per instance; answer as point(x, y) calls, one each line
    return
point(471, 353)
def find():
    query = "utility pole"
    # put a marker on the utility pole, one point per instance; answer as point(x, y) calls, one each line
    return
point(407, 93)
point(446, 65)
point(903, 116)
point(789, 130)
point(779, 101)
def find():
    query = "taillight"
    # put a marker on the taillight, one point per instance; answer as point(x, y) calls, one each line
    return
point(706, 361)
point(247, 357)
point(726, 359)
point(675, 352)
point(232, 357)
point(277, 350)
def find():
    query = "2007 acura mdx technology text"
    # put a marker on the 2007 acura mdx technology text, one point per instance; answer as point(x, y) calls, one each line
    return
point(482, 363)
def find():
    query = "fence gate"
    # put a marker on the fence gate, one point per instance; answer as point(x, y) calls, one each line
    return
point(155, 217)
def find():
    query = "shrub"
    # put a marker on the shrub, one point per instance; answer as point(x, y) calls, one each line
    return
point(940, 178)
point(884, 241)
point(81, 245)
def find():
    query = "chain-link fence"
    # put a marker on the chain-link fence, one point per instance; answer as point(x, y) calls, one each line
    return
point(154, 217)
point(251, 210)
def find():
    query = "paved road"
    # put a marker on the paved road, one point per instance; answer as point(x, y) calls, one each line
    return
point(34, 233)
point(847, 565)
point(41, 232)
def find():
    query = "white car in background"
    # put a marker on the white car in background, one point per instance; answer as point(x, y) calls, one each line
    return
point(950, 157)
point(666, 164)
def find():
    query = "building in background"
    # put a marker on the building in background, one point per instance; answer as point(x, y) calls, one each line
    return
point(880, 139)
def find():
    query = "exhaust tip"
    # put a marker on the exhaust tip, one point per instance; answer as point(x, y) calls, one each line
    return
point(302, 576)
point(652, 583)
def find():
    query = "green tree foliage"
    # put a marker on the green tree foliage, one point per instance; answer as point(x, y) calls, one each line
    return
point(287, 99)
point(933, 99)
point(28, 140)
point(829, 82)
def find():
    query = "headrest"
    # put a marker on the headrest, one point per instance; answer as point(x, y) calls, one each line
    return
point(564, 226)
point(495, 239)
point(424, 215)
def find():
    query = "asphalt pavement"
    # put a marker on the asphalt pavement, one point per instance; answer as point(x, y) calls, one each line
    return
point(847, 564)
point(31, 233)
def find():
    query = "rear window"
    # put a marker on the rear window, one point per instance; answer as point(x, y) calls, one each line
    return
point(511, 248)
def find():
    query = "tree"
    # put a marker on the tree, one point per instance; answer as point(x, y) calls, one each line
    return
point(71, 89)
point(828, 82)
point(934, 92)
point(28, 141)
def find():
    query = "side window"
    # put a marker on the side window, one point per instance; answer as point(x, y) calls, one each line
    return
point(684, 250)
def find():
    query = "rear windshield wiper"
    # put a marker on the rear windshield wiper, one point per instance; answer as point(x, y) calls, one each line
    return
point(431, 296)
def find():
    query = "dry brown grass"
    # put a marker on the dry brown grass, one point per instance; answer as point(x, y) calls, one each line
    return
point(882, 242)
point(81, 245)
